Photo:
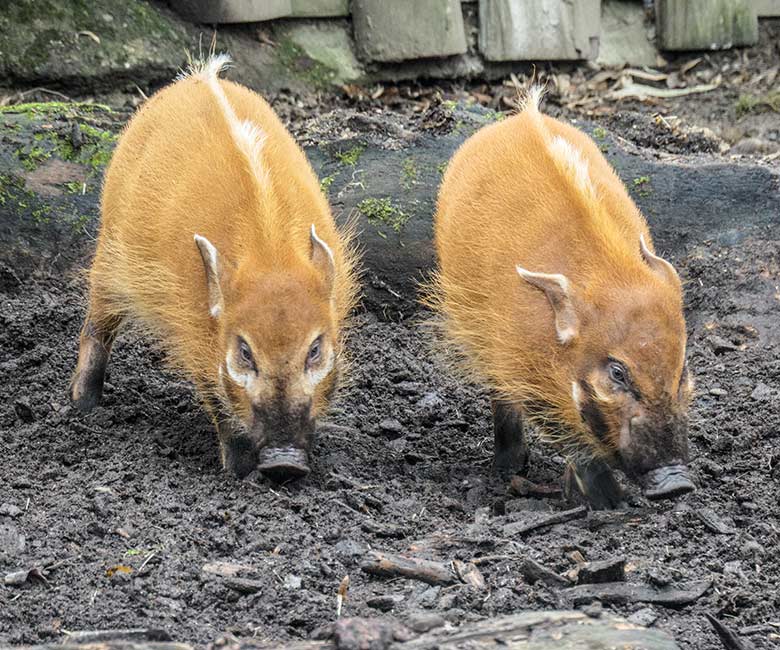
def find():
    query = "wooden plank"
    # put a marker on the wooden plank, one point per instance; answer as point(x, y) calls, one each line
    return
point(706, 24)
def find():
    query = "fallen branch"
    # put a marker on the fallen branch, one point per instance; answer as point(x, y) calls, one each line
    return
point(542, 521)
point(620, 593)
point(392, 566)
point(641, 91)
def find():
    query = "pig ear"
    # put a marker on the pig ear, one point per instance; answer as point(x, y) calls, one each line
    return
point(657, 264)
point(558, 291)
point(322, 258)
point(213, 268)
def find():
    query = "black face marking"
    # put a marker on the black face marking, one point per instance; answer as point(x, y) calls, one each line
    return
point(590, 412)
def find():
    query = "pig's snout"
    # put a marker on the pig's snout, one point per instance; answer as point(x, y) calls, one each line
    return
point(667, 482)
point(283, 463)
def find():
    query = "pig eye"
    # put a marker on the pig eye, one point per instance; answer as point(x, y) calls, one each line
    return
point(245, 353)
point(618, 374)
point(315, 351)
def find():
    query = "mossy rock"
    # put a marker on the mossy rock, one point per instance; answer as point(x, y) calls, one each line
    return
point(89, 44)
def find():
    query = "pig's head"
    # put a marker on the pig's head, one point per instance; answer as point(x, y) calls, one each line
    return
point(626, 340)
point(277, 349)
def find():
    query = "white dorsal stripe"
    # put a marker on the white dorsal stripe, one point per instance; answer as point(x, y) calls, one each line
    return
point(249, 137)
point(572, 161)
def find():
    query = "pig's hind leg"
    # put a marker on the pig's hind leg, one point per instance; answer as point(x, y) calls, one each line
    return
point(511, 450)
point(97, 336)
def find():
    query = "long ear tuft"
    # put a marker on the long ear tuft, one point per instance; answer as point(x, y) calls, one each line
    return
point(658, 264)
point(213, 268)
point(558, 291)
point(322, 258)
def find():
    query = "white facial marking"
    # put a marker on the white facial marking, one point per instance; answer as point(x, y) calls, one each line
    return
point(576, 394)
point(243, 378)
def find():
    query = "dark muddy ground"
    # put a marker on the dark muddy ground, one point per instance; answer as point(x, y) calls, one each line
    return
point(131, 503)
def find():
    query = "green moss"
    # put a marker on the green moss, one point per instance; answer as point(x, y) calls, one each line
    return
point(409, 173)
point(449, 105)
point(751, 103)
point(599, 133)
point(383, 212)
point(293, 58)
point(441, 168)
point(352, 156)
point(642, 185)
point(326, 182)
point(47, 108)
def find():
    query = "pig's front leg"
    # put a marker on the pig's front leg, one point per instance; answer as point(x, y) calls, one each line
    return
point(595, 480)
point(239, 455)
point(511, 450)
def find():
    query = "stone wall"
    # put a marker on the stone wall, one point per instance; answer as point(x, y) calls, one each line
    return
point(370, 40)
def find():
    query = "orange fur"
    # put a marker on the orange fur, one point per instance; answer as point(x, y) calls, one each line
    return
point(534, 192)
point(180, 169)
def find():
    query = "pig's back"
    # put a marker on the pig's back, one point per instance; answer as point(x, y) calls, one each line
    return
point(502, 203)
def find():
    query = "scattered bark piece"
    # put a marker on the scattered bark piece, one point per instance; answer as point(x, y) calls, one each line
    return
point(388, 565)
point(469, 574)
point(713, 522)
point(224, 569)
point(542, 520)
point(534, 572)
point(383, 529)
point(18, 578)
point(522, 487)
point(620, 593)
point(613, 570)
point(727, 636)
point(131, 634)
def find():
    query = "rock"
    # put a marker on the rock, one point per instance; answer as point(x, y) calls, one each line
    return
point(10, 510)
point(292, 581)
point(761, 393)
point(624, 35)
point(407, 29)
point(365, 634)
point(384, 603)
point(594, 609)
point(751, 549)
point(319, 8)
point(705, 24)
point(767, 8)
point(41, 40)
point(613, 570)
point(644, 617)
point(516, 30)
point(423, 622)
point(232, 11)
point(391, 428)
point(328, 46)
point(754, 147)
point(12, 543)
point(718, 392)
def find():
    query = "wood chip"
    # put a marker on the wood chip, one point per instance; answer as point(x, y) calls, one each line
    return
point(388, 565)
point(469, 574)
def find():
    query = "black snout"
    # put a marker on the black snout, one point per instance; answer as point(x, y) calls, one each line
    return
point(283, 463)
point(667, 482)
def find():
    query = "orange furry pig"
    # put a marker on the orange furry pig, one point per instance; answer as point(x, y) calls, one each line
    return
point(216, 239)
point(551, 293)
